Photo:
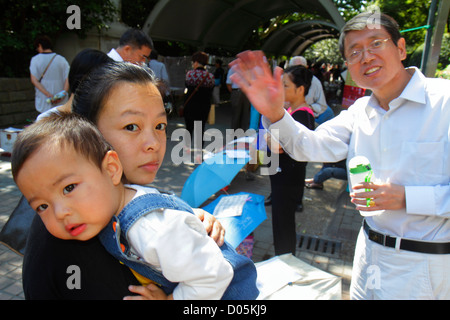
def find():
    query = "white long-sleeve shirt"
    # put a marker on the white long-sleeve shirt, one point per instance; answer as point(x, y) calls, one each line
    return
point(176, 243)
point(407, 145)
point(316, 97)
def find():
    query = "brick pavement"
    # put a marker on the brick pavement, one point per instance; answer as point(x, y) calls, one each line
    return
point(329, 220)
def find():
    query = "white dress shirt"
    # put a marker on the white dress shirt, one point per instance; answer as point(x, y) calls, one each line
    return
point(316, 97)
point(407, 145)
point(175, 243)
point(113, 54)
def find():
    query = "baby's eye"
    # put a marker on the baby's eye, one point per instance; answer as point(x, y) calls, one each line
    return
point(131, 127)
point(41, 208)
point(161, 126)
point(69, 188)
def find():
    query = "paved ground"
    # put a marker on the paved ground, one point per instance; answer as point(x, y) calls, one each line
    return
point(326, 229)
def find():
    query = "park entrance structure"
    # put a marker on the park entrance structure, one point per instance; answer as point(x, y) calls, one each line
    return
point(229, 23)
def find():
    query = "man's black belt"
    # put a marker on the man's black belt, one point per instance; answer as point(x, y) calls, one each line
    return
point(406, 244)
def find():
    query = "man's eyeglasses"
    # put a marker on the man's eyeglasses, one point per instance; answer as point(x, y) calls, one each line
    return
point(145, 58)
point(374, 47)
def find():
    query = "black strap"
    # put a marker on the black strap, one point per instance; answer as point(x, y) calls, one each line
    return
point(47, 67)
point(196, 89)
point(406, 244)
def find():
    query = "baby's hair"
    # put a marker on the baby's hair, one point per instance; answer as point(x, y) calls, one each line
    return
point(60, 130)
point(300, 76)
point(97, 86)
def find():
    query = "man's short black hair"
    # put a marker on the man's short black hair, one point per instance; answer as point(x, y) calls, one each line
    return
point(136, 39)
point(44, 41)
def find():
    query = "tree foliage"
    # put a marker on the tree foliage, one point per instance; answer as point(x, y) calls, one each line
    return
point(22, 21)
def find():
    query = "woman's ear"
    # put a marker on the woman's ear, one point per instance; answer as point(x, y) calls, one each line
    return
point(301, 90)
point(112, 165)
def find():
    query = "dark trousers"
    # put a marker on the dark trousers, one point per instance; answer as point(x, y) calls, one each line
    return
point(196, 113)
point(286, 186)
point(240, 110)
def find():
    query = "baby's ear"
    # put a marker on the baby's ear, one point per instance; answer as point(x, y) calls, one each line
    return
point(112, 165)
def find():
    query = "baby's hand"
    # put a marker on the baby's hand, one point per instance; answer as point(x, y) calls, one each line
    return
point(149, 292)
point(213, 227)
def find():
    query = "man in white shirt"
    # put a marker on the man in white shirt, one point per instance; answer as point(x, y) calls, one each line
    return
point(134, 46)
point(403, 128)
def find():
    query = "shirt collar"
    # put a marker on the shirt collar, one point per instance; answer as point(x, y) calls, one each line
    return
point(113, 54)
point(414, 91)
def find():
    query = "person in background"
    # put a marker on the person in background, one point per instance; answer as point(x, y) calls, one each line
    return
point(134, 46)
point(288, 183)
point(158, 68)
point(240, 105)
point(337, 170)
point(316, 96)
point(160, 72)
point(218, 78)
point(197, 100)
point(85, 61)
point(49, 73)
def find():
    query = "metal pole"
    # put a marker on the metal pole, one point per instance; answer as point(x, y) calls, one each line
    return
point(430, 23)
point(438, 33)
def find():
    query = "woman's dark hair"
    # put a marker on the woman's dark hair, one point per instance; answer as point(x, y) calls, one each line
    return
point(200, 57)
point(300, 76)
point(66, 129)
point(83, 63)
point(96, 87)
point(369, 19)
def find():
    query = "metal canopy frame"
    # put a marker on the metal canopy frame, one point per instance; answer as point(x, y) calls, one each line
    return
point(295, 37)
point(229, 23)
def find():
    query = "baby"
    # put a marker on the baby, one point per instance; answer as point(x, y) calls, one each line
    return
point(72, 177)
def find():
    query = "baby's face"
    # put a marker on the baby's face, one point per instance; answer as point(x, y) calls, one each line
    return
point(74, 198)
point(134, 122)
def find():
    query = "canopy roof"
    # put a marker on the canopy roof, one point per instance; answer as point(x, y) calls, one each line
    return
point(229, 23)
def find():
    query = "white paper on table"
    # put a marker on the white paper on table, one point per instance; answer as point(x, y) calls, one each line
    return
point(230, 206)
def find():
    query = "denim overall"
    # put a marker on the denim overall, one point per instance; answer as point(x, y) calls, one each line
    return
point(114, 238)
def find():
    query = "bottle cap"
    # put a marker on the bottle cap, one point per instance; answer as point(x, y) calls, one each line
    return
point(360, 168)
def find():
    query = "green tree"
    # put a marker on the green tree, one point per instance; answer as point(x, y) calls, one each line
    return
point(326, 50)
point(22, 21)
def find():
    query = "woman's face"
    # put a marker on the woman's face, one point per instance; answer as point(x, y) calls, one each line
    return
point(291, 91)
point(133, 121)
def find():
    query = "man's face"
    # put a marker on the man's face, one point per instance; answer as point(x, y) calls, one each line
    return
point(375, 70)
point(137, 55)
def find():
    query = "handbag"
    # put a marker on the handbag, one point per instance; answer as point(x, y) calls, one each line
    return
point(47, 67)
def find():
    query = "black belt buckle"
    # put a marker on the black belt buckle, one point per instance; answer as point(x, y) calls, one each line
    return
point(377, 237)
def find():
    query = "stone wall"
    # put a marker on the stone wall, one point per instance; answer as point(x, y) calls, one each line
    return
point(16, 102)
